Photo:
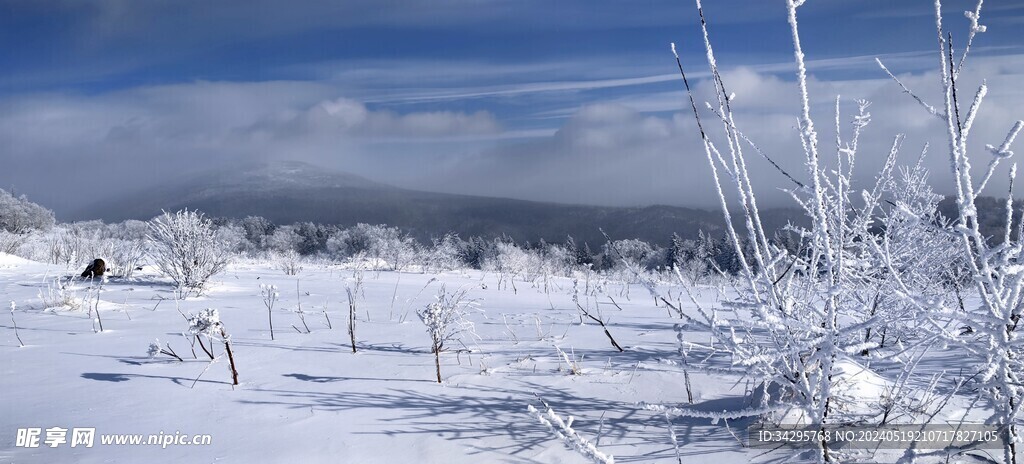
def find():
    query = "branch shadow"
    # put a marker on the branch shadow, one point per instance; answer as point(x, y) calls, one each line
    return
point(327, 379)
point(472, 414)
point(121, 377)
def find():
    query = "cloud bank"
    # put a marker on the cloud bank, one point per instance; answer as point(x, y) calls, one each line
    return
point(636, 146)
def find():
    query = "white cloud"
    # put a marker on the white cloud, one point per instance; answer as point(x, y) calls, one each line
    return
point(615, 153)
point(57, 143)
point(350, 118)
point(632, 149)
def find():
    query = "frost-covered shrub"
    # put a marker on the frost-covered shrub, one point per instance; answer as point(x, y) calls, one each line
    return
point(290, 262)
point(336, 248)
point(385, 247)
point(872, 257)
point(257, 229)
point(351, 242)
point(270, 296)
point(796, 315)
point(445, 255)
point(990, 334)
point(284, 239)
point(125, 256)
point(557, 260)
point(477, 252)
point(919, 254)
point(155, 349)
point(389, 244)
point(132, 230)
point(185, 248)
point(208, 324)
point(11, 242)
point(60, 293)
point(232, 237)
point(65, 246)
point(631, 254)
point(14, 306)
point(312, 237)
point(19, 215)
point(121, 246)
point(446, 321)
point(693, 258)
point(510, 262)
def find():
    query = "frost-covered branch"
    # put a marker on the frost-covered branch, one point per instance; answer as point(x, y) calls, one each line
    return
point(562, 428)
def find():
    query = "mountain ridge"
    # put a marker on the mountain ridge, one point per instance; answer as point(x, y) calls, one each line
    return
point(288, 192)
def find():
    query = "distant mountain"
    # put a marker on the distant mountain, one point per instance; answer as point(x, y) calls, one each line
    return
point(292, 192)
point(991, 215)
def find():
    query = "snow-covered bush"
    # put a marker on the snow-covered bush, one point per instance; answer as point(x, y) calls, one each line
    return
point(872, 258)
point(350, 242)
point(991, 331)
point(290, 262)
point(446, 321)
point(65, 246)
point(478, 252)
point(270, 296)
point(554, 260)
point(313, 237)
point(392, 246)
point(19, 215)
point(510, 262)
point(60, 293)
point(445, 255)
point(125, 256)
point(208, 324)
point(131, 230)
point(185, 248)
point(257, 230)
point(629, 252)
point(11, 242)
point(121, 246)
point(284, 239)
point(798, 315)
point(693, 258)
point(385, 247)
point(232, 237)
point(916, 251)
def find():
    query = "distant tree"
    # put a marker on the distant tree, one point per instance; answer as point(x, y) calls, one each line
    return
point(232, 236)
point(284, 240)
point(19, 215)
point(581, 255)
point(257, 229)
point(634, 251)
point(312, 237)
point(677, 252)
point(446, 253)
point(478, 251)
point(390, 244)
point(351, 241)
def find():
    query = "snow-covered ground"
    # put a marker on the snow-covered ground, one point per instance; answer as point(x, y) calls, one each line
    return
point(307, 398)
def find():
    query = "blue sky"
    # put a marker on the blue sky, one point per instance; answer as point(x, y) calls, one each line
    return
point(571, 101)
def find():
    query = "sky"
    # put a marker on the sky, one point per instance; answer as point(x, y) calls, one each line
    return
point(574, 101)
